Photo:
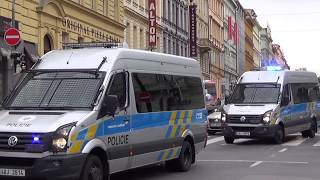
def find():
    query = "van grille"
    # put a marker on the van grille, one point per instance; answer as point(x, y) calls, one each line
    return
point(249, 119)
point(24, 139)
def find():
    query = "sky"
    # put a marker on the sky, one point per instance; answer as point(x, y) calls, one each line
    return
point(295, 26)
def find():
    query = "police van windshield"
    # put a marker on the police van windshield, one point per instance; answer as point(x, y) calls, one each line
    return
point(56, 90)
point(255, 94)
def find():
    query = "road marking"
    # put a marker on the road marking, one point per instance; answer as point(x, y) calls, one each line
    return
point(283, 150)
point(295, 142)
point(214, 140)
point(242, 140)
point(256, 163)
point(317, 144)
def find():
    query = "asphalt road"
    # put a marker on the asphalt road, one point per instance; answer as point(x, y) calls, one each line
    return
point(296, 159)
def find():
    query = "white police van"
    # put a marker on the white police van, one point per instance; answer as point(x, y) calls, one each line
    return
point(87, 113)
point(271, 105)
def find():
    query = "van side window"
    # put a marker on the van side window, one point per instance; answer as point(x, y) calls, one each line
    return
point(300, 93)
point(147, 91)
point(313, 92)
point(183, 93)
point(118, 87)
point(286, 91)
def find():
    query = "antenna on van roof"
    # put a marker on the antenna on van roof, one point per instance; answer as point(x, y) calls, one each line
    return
point(93, 45)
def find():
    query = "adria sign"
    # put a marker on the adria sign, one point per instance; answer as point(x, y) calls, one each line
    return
point(152, 23)
point(193, 30)
point(12, 36)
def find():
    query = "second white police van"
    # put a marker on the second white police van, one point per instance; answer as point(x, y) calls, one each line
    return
point(271, 105)
point(87, 113)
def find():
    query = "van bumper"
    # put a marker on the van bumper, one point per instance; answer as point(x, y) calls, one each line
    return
point(56, 167)
point(260, 132)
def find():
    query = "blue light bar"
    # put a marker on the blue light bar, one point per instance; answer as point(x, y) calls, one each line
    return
point(274, 68)
point(36, 140)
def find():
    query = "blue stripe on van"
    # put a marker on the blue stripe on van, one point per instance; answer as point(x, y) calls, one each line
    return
point(149, 120)
point(99, 131)
point(168, 132)
point(170, 153)
point(176, 120)
point(177, 131)
point(160, 156)
point(82, 134)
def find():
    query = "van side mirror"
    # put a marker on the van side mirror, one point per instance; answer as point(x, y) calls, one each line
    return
point(109, 106)
point(226, 100)
point(284, 101)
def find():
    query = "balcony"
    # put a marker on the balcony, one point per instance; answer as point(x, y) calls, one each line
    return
point(205, 44)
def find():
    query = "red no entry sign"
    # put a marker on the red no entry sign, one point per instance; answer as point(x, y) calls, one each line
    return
point(12, 36)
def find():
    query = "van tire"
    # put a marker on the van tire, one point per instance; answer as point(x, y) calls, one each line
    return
point(93, 169)
point(228, 139)
point(184, 161)
point(311, 133)
point(279, 135)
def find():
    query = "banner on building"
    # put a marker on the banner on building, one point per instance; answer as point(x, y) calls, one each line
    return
point(193, 30)
point(235, 34)
point(152, 23)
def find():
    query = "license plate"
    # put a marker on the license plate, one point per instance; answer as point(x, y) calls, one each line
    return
point(13, 172)
point(215, 124)
point(243, 133)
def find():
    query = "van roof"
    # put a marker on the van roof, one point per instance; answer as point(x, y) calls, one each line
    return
point(91, 58)
point(278, 76)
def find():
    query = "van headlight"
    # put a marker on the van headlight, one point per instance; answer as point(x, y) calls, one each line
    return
point(267, 117)
point(60, 138)
point(223, 117)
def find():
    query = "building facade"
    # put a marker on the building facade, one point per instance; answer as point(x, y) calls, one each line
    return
point(266, 46)
point(216, 38)
point(256, 44)
point(45, 25)
point(175, 17)
point(136, 20)
point(240, 16)
point(249, 22)
point(203, 43)
point(229, 63)
point(279, 58)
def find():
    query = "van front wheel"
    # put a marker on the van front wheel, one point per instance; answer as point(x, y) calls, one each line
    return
point(183, 163)
point(93, 169)
point(229, 140)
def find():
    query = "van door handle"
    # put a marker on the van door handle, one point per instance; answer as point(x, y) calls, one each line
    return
point(126, 121)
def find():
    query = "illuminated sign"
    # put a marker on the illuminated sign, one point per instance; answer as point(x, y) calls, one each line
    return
point(152, 23)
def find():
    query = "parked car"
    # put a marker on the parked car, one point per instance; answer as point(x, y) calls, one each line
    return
point(214, 117)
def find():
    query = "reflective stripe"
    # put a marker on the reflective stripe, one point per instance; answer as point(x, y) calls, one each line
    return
point(181, 117)
point(173, 132)
point(189, 117)
point(91, 132)
point(174, 154)
point(172, 118)
point(75, 147)
point(165, 155)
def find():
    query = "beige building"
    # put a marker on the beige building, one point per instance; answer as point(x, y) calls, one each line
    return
point(256, 44)
point(216, 40)
point(137, 24)
point(203, 43)
point(49, 23)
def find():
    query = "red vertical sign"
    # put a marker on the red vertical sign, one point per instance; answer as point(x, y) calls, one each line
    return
point(193, 30)
point(235, 34)
point(152, 23)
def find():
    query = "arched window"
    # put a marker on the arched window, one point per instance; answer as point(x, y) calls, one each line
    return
point(47, 44)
